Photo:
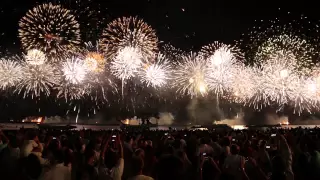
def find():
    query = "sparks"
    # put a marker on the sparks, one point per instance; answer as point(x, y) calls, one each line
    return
point(37, 80)
point(222, 66)
point(51, 29)
point(156, 74)
point(126, 63)
point(74, 70)
point(35, 57)
point(10, 73)
point(189, 77)
point(129, 31)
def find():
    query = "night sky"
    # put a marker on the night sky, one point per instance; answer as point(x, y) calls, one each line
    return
point(186, 24)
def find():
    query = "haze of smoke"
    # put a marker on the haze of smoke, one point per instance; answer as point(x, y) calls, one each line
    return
point(207, 111)
point(165, 119)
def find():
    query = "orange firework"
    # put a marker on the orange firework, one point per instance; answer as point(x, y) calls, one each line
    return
point(95, 62)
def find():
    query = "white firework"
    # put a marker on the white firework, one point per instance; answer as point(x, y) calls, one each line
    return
point(222, 67)
point(305, 96)
point(189, 77)
point(260, 97)
point(74, 70)
point(126, 63)
point(281, 79)
point(242, 85)
point(10, 73)
point(35, 57)
point(37, 80)
point(298, 47)
point(156, 74)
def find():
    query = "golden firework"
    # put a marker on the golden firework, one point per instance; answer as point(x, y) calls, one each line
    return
point(129, 31)
point(95, 62)
point(50, 29)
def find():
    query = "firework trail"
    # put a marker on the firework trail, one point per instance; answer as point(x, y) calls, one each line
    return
point(51, 29)
point(71, 92)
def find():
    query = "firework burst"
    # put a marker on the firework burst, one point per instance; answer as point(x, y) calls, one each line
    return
point(156, 74)
point(260, 97)
point(289, 44)
point(222, 66)
point(242, 86)
point(129, 31)
point(304, 97)
point(281, 78)
point(94, 60)
point(35, 57)
point(51, 29)
point(74, 70)
point(37, 80)
point(127, 63)
point(189, 77)
point(10, 73)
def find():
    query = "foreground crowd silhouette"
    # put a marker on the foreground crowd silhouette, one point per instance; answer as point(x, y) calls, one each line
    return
point(277, 154)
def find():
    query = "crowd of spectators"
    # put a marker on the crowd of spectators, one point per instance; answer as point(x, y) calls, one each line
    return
point(276, 154)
